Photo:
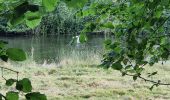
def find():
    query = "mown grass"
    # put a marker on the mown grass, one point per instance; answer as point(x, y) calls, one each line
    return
point(81, 82)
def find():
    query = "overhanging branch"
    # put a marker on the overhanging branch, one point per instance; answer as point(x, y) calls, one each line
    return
point(147, 80)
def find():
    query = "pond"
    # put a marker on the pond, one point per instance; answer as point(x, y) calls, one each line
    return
point(56, 48)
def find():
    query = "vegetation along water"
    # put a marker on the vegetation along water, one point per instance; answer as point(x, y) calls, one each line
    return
point(84, 49)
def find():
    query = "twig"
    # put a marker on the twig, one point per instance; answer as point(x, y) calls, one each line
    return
point(3, 96)
point(9, 69)
point(147, 80)
point(2, 69)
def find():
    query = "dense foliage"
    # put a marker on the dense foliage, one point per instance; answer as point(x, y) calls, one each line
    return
point(140, 35)
point(29, 12)
point(61, 21)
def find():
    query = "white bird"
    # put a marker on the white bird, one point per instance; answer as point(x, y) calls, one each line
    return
point(78, 39)
point(75, 40)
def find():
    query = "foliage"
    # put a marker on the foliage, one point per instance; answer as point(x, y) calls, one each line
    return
point(139, 34)
point(61, 21)
point(29, 12)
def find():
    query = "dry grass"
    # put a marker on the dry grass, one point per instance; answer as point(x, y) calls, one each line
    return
point(80, 82)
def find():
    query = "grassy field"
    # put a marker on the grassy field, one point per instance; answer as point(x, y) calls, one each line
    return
point(81, 82)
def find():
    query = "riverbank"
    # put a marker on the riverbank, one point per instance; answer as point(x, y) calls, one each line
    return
point(80, 82)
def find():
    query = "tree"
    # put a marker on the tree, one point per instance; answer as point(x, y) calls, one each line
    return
point(140, 36)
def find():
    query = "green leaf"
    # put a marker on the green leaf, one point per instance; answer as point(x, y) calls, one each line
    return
point(16, 20)
point(33, 19)
point(128, 67)
point(49, 5)
point(118, 49)
point(135, 78)
point(32, 15)
point(151, 74)
point(33, 23)
point(83, 37)
point(17, 15)
point(35, 96)
point(158, 13)
point(117, 66)
point(16, 54)
point(10, 82)
point(24, 85)
point(4, 58)
point(12, 96)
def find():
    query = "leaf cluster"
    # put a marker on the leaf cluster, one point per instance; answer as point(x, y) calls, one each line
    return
point(27, 12)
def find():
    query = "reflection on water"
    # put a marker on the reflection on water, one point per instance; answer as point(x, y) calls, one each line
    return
point(55, 48)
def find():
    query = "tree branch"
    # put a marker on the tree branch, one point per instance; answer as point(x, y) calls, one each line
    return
point(3, 96)
point(9, 69)
point(147, 80)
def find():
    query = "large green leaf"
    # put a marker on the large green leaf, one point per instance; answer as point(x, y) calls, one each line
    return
point(16, 20)
point(33, 19)
point(35, 96)
point(49, 5)
point(24, 85)
point(12, 96)
point(33, 23)
point(117, 66)
point(16, 54)
point(10, 82)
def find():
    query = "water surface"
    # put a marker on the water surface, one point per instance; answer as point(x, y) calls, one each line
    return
point(54, 48)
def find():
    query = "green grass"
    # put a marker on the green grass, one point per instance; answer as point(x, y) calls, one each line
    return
point(80, 82)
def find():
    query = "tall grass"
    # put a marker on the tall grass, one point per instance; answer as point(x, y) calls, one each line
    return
point(85, 56)
point(70, 56)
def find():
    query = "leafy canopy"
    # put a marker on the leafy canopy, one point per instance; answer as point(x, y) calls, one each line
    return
point(140, 36)
point(29, 12)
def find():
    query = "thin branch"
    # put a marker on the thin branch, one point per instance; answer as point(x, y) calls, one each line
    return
point(3, 96)
point(9, 69)
point(147, 80)
point(2, 69)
